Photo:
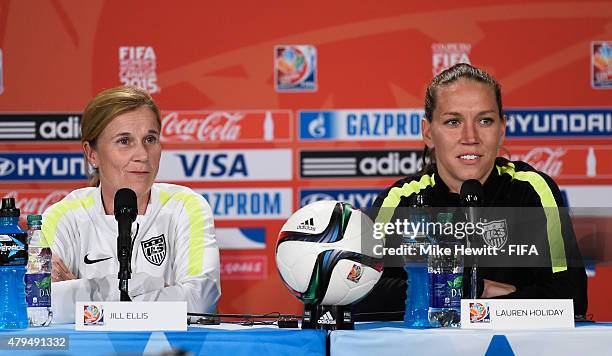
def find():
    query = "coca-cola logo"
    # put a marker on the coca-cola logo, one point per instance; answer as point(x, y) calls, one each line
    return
point(35, 204)
point(211, 126)
point(545, 159)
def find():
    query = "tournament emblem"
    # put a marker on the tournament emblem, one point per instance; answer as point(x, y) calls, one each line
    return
point(154, 249)
point(93, 315)
point(295, 68)
point(355, 273)
point(479, 313)
point(495, 233)
point(601, 64)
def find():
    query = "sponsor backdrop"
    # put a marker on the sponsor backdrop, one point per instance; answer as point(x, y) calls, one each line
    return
point(269, 106)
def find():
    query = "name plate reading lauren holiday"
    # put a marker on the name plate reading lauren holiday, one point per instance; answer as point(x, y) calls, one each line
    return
point(131, 316)
point(517, 313)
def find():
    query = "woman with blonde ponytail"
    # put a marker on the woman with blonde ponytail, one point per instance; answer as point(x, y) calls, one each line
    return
point(463, 131)
point(174, 252)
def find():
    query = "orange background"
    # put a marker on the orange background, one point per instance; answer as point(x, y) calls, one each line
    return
point(219, 56)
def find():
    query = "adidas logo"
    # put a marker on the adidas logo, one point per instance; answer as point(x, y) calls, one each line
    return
point(326, 319)
point(307, 224)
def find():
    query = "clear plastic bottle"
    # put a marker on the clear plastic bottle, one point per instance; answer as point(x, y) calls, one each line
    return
point(445, 281)
point(417, 291)
point(13, 260)
point(38, 275)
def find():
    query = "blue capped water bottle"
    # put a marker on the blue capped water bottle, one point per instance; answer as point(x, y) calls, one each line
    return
point(445, 280)
point(13, 261)
point(415, 265)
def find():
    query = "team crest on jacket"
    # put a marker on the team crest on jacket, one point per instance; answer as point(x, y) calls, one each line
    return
point(495, 233)
point(154, 249)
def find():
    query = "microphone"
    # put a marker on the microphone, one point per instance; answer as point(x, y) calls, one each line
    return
point(472, 196)
point(126, 210)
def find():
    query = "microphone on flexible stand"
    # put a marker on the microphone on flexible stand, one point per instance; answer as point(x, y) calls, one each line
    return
point(126, 210)
point(472, 196)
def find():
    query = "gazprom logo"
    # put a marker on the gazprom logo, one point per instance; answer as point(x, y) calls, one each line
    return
point(317, 125)
point(249, 204)
point(6, 167)
point(371, 125)
point(577, 122)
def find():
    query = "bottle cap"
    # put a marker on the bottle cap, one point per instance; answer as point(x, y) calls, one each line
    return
point(8, 208)
point(34, 218)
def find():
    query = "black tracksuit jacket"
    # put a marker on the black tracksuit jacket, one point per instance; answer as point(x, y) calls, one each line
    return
point(511, 184)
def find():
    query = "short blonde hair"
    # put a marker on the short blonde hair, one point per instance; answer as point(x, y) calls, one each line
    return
point(107, 105)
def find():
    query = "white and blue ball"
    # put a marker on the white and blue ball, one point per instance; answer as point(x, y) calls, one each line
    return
point(319, 254)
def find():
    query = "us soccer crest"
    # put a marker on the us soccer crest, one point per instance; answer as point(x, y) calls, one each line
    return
point(495, 233)
point(154, 249)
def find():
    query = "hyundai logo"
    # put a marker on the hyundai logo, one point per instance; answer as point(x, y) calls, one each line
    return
point(6, 167)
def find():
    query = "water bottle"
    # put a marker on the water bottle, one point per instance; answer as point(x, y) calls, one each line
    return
point(13, 260)
point(445, 281)
point(417, 291)
point(38, 275)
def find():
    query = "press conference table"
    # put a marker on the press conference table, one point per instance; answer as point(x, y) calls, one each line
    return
point(392, 338)
point(211, 340)
point(388, 338)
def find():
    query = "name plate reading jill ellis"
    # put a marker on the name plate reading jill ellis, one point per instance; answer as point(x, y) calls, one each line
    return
point(517, 313)
point(131, 316)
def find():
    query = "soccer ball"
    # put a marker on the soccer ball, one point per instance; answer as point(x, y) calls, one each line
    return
point(319, 254)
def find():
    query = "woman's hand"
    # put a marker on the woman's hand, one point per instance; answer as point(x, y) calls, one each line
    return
point(59, 271)
point(495, 289)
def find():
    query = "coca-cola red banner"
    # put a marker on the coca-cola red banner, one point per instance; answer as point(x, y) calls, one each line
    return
point(567, 164)
point(250, 126)
point(34, 201)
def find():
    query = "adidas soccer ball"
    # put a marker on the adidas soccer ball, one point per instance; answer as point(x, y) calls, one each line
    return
point(319, 254)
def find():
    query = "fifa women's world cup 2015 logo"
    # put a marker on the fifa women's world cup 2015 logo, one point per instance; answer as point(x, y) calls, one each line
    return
point(93, 315)
point(601, 64)
point(479, 313)
point(295, 68)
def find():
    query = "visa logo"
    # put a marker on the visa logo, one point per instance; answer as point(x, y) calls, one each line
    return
point(226, 165)
point(559, 123)
point(358, 198)
point(213, 165)
point(348, 125)
point(34, 166)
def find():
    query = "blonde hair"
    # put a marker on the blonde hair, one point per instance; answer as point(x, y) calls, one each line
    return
point(447, 77)
point(107, 105)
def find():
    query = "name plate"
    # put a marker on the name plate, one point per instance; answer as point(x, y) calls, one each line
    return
point(517, 313)
point(131, 316)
